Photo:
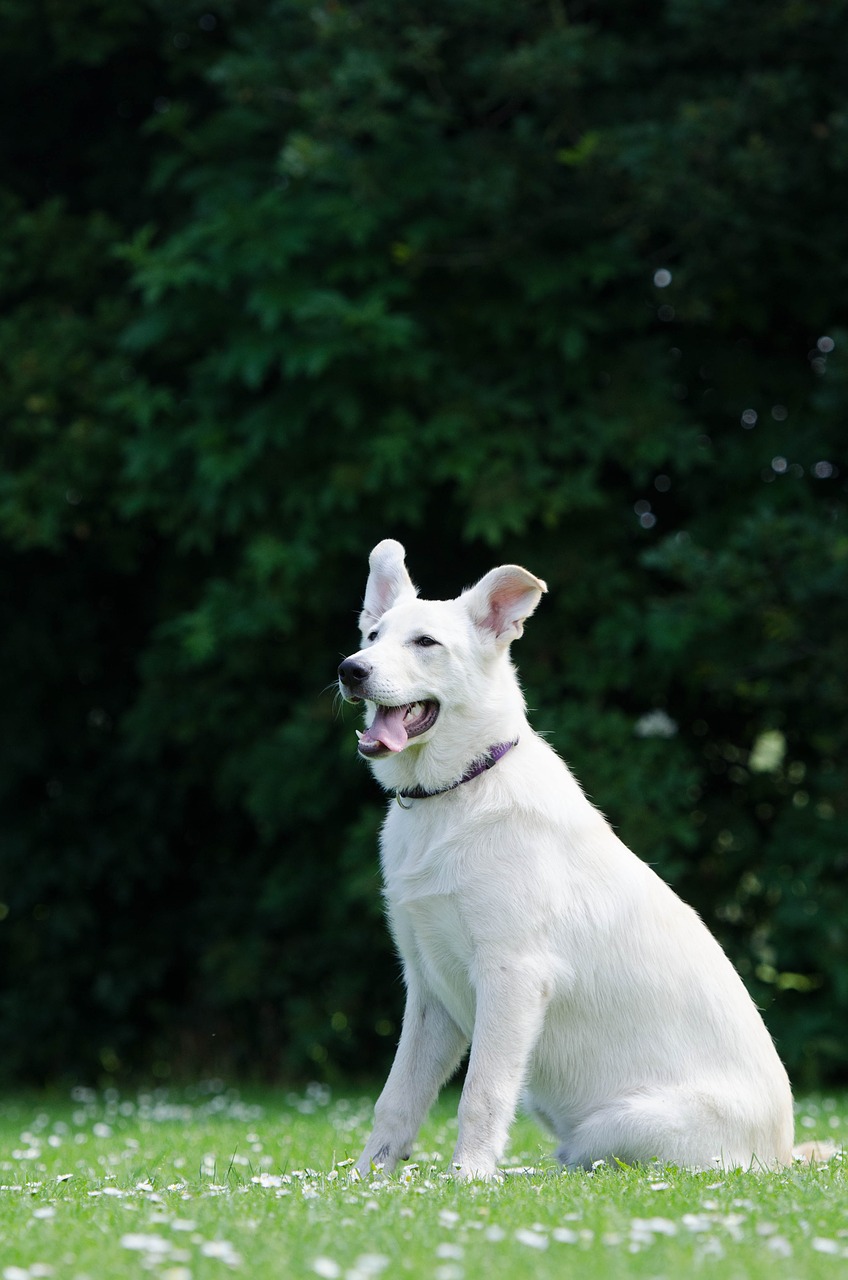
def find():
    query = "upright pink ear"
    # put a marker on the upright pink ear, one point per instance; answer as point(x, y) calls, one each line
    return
point(500, 602)
point(388, 582)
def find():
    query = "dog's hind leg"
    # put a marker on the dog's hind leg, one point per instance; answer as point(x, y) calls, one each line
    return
point(634, 1129)
point(693, 1128)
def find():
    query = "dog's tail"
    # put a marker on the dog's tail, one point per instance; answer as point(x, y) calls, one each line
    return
point(815, 1152)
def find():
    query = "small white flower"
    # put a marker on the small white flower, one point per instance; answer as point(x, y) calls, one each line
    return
point(822, 1245)
point(445, 1250)
point(143, 1243)
point(326, 1268)
point(565, 1235)
point(371, 1264)
point(780, 1246)
point(696, 1221)
point(222, 1250)
point(655, 1226)
point(732, 1222)
point(533, 1239)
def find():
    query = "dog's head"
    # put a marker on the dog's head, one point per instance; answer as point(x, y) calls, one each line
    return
point(423, 662)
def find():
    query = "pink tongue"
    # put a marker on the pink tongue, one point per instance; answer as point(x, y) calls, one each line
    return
point(388, 729)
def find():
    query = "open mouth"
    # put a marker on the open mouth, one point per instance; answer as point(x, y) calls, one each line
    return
point(392, 727)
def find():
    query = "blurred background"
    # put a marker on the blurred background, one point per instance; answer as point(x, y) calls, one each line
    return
point(560, 283)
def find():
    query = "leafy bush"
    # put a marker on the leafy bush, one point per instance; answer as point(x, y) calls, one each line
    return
point(553, 285)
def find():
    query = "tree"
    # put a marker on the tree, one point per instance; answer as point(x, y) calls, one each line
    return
point(531, 283)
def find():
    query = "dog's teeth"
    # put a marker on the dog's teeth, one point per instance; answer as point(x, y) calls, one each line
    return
point(358, 733)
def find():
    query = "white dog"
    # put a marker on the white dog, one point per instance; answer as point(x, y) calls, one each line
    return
point(527, 929)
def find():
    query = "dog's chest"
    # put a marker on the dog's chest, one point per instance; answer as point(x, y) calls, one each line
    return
point(426, 876)
point(434, 939)
point(424, 854)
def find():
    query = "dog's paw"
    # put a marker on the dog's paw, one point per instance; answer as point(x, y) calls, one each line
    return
point(376, 1166)
point(469, 1170)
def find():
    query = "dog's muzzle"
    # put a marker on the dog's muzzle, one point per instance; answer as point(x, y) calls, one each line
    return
point(392, 726)
point(353, 673)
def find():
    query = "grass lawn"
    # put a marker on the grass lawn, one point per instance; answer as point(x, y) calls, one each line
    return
point(203, 1184)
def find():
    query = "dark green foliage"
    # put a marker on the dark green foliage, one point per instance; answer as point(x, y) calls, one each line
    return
point(549, 283)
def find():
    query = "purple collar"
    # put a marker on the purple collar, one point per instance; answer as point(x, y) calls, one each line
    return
point(487, 761)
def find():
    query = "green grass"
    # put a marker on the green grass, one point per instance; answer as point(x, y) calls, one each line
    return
point(205, 1184)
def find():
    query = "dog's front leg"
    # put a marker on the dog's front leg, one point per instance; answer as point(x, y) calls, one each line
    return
point(511, 1003)
point(429, 1051)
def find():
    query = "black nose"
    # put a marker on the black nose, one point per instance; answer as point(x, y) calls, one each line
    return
point(353, 671)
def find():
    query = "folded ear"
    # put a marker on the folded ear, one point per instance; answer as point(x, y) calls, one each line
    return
point(388, 582)
point(500, 602)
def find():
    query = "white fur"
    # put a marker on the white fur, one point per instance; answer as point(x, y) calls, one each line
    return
point(529, 931)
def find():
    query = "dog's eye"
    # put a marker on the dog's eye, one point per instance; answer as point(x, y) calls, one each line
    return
point(426, 641)
point(372, 635)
